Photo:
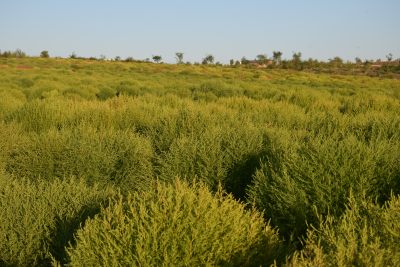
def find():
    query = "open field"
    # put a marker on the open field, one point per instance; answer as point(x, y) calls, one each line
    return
point(121, 163)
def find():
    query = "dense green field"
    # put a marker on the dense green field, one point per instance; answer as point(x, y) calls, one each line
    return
point(140, 164)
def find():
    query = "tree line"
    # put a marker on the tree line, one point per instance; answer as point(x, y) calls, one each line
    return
point(296, 62)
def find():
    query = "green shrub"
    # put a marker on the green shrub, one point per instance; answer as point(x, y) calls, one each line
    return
point(38, 115)
point(219, 155)
point(227, 151)
point(128, 88)
point(108, 156)
point(80, 92)
point(320, 173)
point(365, 235)
point(38, 219)
point(295, 142)
point(44, 54)
point(11, 138)
point(213, 88)
point(10, 101)
point(105, 93)
point(175, 225)
point(26, 82)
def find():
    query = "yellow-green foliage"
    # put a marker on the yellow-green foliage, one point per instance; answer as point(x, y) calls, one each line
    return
point(365, 235)
point(104, 156)
point(175, 225)
point(10, 101)
point(37, 220)
point(320, 173)
point(226, 155)
point(291, 143)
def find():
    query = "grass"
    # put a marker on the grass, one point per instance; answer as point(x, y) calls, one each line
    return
point(300, 148)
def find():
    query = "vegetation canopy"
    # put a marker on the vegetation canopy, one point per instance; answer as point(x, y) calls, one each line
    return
point(294, 163)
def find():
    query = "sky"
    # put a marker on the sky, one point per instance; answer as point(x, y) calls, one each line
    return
point(320, 29)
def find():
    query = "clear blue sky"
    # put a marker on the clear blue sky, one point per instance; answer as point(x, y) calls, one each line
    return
point(225, 28)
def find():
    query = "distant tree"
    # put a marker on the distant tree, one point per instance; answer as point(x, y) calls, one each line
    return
point(368, 62)
point(19, 53)
point(296, 57)
point(102, 57)
point(129, 59)
point(117, 58)
point(296, 60)
point(277, 57)
point(285, 64)
point(311, 63)
point(179, 57)
point(336, 61)
point(7, 54)
point(262, 58)
point(44, 54)
point(237, 63)
point(358, 60)
point(157, 58)
point(389, 57)
point(73, 55)
point(244, 61)
point(209, 59)
point(231, 62)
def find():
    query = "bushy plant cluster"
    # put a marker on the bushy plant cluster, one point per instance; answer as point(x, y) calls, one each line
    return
point(106, 157)
point(175, 225)
point(37, 220)
point(18, 53)
point(320, 174)
point(316, 158)
point(366, 234)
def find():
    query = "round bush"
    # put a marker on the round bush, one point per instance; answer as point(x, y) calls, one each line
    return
point(225, 154)
point(175, 225)
point(366, 234)
point(102, 156)
point(37, 220)
point(319, 175)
